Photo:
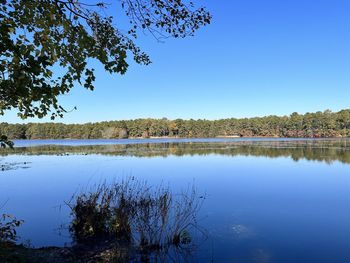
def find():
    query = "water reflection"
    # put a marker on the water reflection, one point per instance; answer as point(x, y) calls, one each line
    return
point(291, 205)
point(315, 150)
point(124, 221)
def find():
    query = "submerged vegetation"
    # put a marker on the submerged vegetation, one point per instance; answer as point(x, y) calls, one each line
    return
point(310, 125)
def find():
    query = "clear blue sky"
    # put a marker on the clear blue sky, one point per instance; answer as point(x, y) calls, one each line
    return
point(256, 58)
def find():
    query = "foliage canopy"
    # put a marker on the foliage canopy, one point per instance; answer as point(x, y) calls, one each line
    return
point(39, 37)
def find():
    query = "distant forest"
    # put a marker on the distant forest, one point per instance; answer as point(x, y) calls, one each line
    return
point(310, 125)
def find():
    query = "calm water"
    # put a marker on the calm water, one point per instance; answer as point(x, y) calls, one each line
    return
point(268, 200)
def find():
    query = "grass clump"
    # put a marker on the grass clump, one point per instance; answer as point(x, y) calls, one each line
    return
point(132, 214)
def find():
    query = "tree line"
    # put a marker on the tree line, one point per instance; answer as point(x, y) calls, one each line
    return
point(310, 125)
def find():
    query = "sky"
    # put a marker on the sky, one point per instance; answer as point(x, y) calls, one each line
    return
point(256, 58)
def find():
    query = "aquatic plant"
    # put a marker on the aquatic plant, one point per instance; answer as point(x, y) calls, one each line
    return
point(132, 214)
point(8, 225)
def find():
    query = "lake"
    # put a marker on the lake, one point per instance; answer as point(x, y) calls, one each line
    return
point(267, 200)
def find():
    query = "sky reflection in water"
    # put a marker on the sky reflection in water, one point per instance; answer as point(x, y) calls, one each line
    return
point(267, 201)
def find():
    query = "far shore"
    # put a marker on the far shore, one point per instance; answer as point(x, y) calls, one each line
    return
point(187, 138)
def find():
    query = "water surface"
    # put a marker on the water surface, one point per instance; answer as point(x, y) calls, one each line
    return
point(268, 200)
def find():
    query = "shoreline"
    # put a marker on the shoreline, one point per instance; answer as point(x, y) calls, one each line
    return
point(11, 252)
point(187, 138)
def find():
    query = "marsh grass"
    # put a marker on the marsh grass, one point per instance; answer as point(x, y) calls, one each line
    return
point(132, 214)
